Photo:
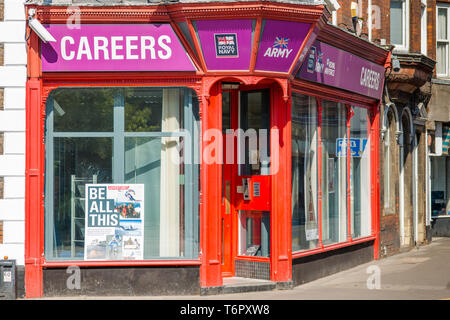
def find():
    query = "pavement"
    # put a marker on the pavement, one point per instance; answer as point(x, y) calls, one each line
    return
point(422, 273)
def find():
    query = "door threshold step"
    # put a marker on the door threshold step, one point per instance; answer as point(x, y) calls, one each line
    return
point(239, 285)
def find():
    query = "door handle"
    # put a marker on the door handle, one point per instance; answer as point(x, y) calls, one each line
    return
point(227, 197)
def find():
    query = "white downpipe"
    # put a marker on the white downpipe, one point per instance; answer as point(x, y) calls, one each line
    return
point(416, 190)
point(428, 182)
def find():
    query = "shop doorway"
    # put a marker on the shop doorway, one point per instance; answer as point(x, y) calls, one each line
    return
point(246, 183)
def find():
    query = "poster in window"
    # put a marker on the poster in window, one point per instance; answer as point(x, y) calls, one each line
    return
point(114, 224)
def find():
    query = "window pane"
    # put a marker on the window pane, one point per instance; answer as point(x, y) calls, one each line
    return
point(143, 109)
point(226, 110)
point(83, 110)
point(360, 174)
point(441, 54)
point(334, 173)
point(397, 23)
point(150, 110)
point(304, 173)
point(442, 24)
point(255, 121)
point(254, 235)
point(171, 211)
point(77, 162)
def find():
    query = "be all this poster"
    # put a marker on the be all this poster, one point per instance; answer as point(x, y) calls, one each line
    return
point(114, 225)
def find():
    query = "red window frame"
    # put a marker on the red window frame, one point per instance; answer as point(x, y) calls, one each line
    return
point(348, 100)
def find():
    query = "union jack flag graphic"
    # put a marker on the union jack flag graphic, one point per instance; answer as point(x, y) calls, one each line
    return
point(225, 40)
point(320, 56)
point(281, 43)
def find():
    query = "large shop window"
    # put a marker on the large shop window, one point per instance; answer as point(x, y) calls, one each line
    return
point(360, 173)
point(305, 229)
point(142, 136)
point(334, 172)
point(345, 172)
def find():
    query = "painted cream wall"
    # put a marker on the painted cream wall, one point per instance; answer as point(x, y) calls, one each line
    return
point(12, 123)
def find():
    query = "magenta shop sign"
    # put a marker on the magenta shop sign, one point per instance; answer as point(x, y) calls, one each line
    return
point(104, 47)
point(337, 68)
point(226, 44)
point(279, 45)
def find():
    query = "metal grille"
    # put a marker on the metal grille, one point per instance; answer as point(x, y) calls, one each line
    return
point(252, 269)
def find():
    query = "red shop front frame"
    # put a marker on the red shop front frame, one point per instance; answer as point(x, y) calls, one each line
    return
point(206, 85)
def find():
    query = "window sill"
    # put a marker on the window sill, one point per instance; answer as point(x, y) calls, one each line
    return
point(441, 80)
point(130, 263)
point(441, 217)
point(301, 254)
point(401, 50)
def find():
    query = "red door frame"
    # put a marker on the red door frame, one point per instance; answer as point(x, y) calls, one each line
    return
point(228, 210)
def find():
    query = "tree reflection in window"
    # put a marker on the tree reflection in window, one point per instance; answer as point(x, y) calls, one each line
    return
point(143, 109)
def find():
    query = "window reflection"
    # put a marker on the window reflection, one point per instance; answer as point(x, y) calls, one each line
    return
point(305, 233)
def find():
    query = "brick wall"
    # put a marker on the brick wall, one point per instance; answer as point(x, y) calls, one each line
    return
point(12, 125)
point(431, 29)
point(1, 231)
point(2, 10)
point(344, 15)
point(381, 22)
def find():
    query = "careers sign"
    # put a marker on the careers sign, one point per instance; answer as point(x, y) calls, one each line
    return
point(104, 47)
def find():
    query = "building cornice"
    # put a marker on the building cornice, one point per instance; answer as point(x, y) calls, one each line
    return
point(182, 11)
point(349, 42)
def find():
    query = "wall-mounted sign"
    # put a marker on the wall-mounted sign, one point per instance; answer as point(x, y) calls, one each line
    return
point(104, 47)
point(114, 222)
point(331, 66)
point(226, 44)
point(279, 45)
point(357, 146)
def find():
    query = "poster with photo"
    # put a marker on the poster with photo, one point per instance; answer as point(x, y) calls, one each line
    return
point(114, 224)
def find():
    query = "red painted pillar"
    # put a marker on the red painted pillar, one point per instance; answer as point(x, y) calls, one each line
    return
point(375, 164)
point(34, 177)
point(281, 239)
point(34, 172)
point(211, 177)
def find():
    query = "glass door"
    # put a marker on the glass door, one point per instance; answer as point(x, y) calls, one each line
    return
point(253, 180)
point(245, 222)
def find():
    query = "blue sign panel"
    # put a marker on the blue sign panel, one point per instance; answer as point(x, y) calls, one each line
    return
point(357, 146)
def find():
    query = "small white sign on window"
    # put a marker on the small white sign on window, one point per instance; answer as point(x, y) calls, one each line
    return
point(7, 276)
